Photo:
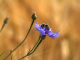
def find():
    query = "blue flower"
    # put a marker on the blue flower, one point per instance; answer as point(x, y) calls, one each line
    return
point(45, 30)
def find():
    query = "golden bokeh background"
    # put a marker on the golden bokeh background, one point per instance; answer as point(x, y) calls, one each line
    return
point(63, 15)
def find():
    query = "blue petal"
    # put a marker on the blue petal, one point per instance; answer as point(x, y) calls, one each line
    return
point(42, 32)
point(37, 26)
point(56, 34)
point(52, 35)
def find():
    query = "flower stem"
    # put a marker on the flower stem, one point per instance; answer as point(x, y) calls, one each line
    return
point(35, 47)
point(22, 41)
point(35, 44)
point(2, 27)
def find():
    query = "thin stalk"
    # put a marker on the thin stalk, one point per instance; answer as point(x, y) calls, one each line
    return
point(2, 27)
point(32, 49)
point(22, 41)
point(2, 53)
point(35, 44)
point(36, 47)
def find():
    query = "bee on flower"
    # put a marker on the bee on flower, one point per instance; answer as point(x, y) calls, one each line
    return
point(45, 30)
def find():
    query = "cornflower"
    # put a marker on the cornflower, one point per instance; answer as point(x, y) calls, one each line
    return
point(45, 30)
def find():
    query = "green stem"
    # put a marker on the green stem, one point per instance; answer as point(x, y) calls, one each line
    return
point(2, 27)
point(21, 42)
point(32, 49)
point(35, 44)
point(2, 53)
point(36, 47)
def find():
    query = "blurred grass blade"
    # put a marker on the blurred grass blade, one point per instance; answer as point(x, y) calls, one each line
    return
point(17, 43)
point(11, 54)
point(1, 55)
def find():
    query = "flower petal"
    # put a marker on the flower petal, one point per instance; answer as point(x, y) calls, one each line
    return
point(42, 32)
point(52, 35)
point(37, 26)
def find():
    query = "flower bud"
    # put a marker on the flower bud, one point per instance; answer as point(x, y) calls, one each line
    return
point(6, 20)
point(34, 16)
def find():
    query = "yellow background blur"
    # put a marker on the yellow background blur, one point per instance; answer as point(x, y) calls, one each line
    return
point(63, 15)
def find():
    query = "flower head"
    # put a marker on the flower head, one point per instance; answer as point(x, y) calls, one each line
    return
point(45, 30)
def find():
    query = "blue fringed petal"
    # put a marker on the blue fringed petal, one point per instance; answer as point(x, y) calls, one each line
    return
point(38, 28)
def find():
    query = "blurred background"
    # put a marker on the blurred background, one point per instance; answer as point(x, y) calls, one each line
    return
point(63, 15)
